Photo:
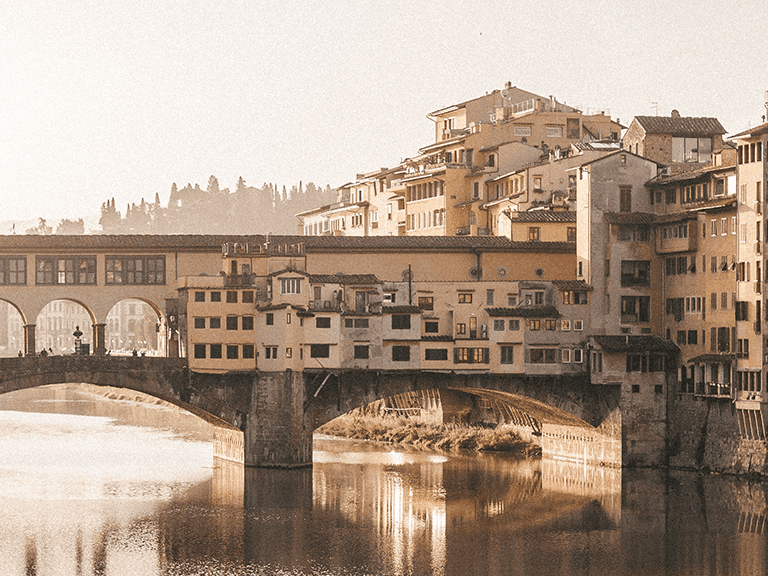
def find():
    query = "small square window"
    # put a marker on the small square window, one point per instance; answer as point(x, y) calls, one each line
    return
point(215, 296)
point(233, 352)
point(578, 325)
point(465, 298)
point(199, 350)
point(214, 322)
point(248, 297)
point(231, 297)
point(247, 322)
point(514, 325)
point(199, 296)
point(431, 327)
point(635, 388)
point(215, 350)
point(270, 319)
point(361, 352)
point(231, 322)
point(323, 322)
point(658, 389)
point(248, 350)
point(199, 322)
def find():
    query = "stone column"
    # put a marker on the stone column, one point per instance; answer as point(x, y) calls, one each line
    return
point(29, 340)
point(98, 332)
point(277, 435)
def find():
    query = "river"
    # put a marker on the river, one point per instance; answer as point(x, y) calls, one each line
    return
point(115, 487)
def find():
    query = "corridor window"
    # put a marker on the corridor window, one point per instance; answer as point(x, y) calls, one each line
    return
point(361, 352)
point(199, 350)
point(135, 269)
point(69, 270)
point(233, 352)
point(13, 270)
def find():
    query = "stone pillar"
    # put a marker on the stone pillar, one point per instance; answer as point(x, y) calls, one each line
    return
point(29, 340)
point(98, 332)
point(277, 434)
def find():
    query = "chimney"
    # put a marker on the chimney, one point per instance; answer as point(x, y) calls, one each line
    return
point(675, 114)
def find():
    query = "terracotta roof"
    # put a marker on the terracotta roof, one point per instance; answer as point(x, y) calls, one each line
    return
point(287, 271)
point(344, 279)
point(756, 131)
point(680, 126)
point(723, 202)
point(572, 285)
point(525, 312)
point(630, 343)
point(545, 216)
point(400, 309)
point(630, 218)
point(713, 358)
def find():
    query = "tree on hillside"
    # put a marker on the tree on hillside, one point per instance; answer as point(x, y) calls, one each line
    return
point(41, 229)
point(71, 227)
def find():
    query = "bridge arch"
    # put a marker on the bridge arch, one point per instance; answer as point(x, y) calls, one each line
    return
point(135, 324)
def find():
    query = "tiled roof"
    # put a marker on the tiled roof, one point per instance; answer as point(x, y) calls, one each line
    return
point(713, 358)
point(525, 312)
point(400, 309)
point(680, 126)
point(344, 279)
point(630, 218)
point(630, 343)
point(127, 242)
point(545, 216)
point(756, 131)
point(714, 203)
point(572, 285)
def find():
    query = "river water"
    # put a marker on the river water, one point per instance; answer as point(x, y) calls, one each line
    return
point(115, 487)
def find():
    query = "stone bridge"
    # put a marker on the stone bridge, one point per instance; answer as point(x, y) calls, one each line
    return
point(278, 411)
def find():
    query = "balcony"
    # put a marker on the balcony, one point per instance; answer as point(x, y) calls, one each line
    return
point(714, 390)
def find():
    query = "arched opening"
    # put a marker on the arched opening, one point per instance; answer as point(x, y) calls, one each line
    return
point(134, 325)
point(57, 325)
point(11, 330)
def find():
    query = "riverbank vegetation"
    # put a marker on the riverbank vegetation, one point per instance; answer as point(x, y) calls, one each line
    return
point(418, 432)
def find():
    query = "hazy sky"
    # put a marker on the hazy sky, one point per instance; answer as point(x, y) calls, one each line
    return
point(102, 99)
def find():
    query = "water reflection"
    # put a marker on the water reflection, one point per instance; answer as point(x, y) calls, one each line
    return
point(100, 491)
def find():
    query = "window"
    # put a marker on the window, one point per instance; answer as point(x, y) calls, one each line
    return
point(550, 324)
point(248, 351)
point(693, 337)
point(565, 355)
point(319, 350)
point(233, 352)
point(215, 350)
point(470, 356)
point(248, 297)
point(635, 272)
point(199, 350)
point(431, 327)
point(216, 296)
point(436, 354)
point(199, 296)
point(507, 355)
point(401, 353)
point(270, 319)
point(401, 321)
point(514, 325)
point(578, 356)
point(465, 298)
point(542, 355)
point(635, 308)
point(361, 352)
point(571, 234)
point(231, 322)
point(489, 297)
point(534, 233)
point(13, 271)
point(199, 322)
point(565, 325)
point(247, 322)
point(511, 301)
point(578, 325)
point(214, 322)
point(692, 150)
point(625, 198)
point(534, 324)
point(290, 285)
point(288, 353)
point(323, 322)
point(461, 328)
point(498, 325)
point(574, 296)
point(65, 270)
point(135, 269)
point(231, 297)
point(426, 302)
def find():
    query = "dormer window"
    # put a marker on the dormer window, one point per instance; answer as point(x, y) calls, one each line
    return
point(290, 285)
point(692, 150)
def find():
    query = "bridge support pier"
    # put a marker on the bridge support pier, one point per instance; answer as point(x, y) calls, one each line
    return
point(29, 340)
point(99, 338)
point(277, 434)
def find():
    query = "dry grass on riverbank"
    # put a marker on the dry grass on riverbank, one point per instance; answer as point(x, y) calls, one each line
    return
point(416, 432)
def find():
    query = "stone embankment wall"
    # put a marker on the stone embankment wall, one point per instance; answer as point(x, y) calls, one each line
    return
point(577, 444)
point(228, 444)
point(704, 434)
